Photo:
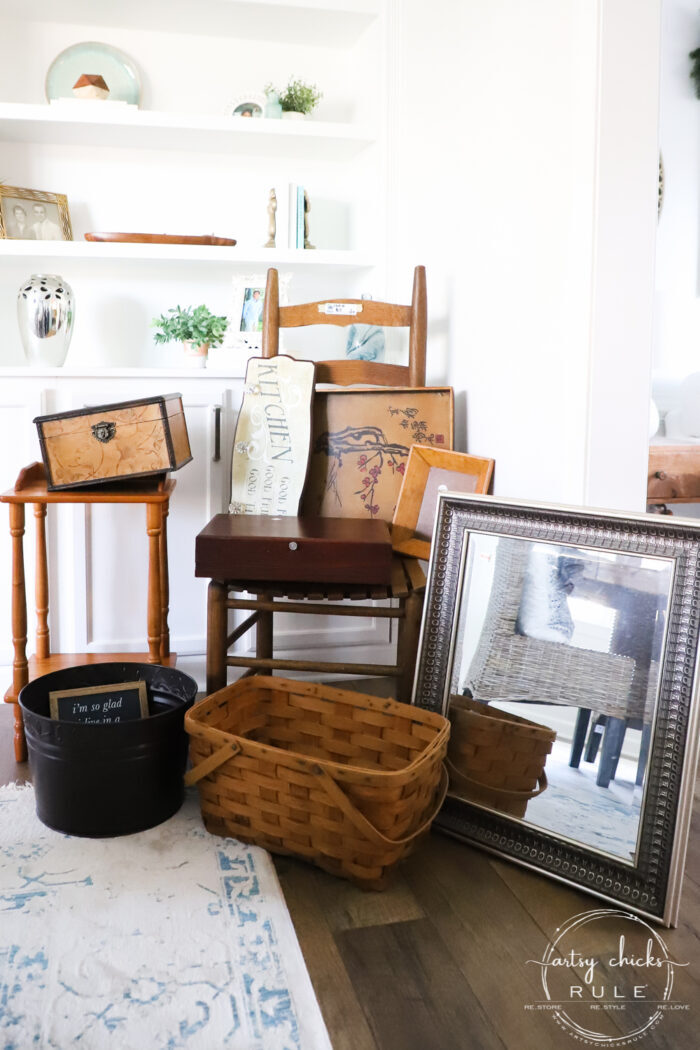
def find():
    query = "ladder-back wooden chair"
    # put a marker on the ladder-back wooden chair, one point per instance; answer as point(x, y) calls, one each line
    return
point(407, 578)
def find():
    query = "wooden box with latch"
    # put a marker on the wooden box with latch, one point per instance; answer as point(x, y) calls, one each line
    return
point(128, 439)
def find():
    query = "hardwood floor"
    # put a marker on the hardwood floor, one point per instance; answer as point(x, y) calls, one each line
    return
point(439, 960)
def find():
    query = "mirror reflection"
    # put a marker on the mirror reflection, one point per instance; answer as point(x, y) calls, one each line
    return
point(554, 686)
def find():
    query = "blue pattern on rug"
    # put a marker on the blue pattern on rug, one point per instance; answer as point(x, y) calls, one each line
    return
point(171, 939)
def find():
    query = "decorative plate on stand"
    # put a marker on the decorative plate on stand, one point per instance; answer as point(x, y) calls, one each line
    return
point(93, 58)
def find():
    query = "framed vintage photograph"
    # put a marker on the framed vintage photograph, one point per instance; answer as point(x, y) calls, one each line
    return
point(250, 105)
point(245, 327)
point(562, 644)
point(428, 472)
point(33, 215)
point(361, 442)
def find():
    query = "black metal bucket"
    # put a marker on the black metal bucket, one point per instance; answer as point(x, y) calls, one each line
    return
point(113, 778)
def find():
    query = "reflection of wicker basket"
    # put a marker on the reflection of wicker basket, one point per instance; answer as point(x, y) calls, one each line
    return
point(345, 780)
point(496, 758)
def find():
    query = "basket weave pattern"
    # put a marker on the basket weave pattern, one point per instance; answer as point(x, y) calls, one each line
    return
point(344, 780)
point(496, 757)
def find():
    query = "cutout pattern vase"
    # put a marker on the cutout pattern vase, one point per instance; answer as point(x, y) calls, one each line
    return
point(45, 314)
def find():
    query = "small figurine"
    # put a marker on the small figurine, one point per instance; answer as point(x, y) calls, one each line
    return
point(91, 85)
point(307, 209)
point(272, 220)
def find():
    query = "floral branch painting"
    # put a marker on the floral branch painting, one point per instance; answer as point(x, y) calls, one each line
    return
point(357, 468)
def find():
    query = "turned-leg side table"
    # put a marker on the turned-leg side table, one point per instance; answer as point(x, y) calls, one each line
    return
point(30, 487)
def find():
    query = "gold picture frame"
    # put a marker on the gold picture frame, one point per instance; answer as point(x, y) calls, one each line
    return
point(33, 215)
point(428, 472)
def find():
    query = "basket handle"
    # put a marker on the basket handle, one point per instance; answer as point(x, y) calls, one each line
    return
point(518, 796)
point(363, 824)
point(208, 765)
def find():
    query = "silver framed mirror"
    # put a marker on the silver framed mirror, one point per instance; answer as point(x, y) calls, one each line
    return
point(562, 644)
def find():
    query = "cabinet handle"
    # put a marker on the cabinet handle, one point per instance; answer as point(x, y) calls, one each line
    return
point(217, 434)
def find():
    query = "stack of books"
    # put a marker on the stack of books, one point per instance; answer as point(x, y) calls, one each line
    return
point(296, 216)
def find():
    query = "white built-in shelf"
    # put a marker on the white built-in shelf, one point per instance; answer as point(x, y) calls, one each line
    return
point(330, 23)
point(189, 253)
point(68, 372)
point(90, 124)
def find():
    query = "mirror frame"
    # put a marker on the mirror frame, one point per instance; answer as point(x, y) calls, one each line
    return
point(651, 887)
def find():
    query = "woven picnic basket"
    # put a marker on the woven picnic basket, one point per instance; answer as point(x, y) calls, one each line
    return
point(496, 758)
point(347, 781)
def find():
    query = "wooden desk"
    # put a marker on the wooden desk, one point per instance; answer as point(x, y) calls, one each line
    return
point(674, 474)
point(30, 487)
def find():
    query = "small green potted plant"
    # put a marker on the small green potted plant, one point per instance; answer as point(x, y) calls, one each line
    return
point(297, 99)
point(197, 328)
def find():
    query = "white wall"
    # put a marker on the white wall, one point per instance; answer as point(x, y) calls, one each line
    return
point(676, 300)
point(498, 114)
point(677, 306)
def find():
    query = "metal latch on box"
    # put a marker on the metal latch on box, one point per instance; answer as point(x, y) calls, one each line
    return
point(104, 431)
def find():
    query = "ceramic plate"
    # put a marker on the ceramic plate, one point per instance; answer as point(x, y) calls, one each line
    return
point(117, 69)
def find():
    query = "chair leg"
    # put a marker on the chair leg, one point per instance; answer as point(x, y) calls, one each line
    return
point(594, 738)
point(407, 645)
point(263, 632)
point(582, 719)
point(612, 746)
point(217, 628)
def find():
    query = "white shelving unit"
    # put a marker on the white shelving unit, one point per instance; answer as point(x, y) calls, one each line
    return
point(330, 23)
point(178, 165)
point(92, 251)
point(85, 124)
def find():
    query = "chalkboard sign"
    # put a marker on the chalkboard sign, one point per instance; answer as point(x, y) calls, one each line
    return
point(121, 702)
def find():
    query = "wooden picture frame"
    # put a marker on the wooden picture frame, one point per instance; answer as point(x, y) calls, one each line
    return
point(34, 215)
point(113, 697)
point(361, 442)
point(472, 645)
point(428, 472)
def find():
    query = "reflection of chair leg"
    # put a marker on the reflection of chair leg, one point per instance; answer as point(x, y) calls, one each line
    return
point(582, 719)
point(612, 746)
point(643, 753)
point(594, 738)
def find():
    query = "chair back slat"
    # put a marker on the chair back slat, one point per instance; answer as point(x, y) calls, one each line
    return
point(368, 312)
point(344, 372)
point(355, 373)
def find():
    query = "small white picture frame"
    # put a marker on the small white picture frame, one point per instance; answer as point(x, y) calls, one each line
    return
point(245, 319)
point(250, 105)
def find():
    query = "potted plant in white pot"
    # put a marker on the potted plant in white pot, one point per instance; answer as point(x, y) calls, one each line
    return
point(197, 328)
point(297, 99)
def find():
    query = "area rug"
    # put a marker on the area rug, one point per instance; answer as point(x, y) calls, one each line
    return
point(171, 938)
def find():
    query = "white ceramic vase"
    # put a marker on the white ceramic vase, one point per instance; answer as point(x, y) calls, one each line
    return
point(291, 114)
point(45, 314)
